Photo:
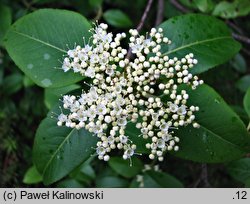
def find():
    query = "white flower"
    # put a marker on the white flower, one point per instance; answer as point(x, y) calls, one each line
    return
point(164, 127)
point(101, 109)
point(173, 107)
point(122, 121)
point(125, 91)
point(90, 72)
point(91, 113)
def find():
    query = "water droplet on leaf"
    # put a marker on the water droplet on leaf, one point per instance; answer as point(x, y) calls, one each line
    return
point(46, 56)
point(30, 66)
point(46, 82)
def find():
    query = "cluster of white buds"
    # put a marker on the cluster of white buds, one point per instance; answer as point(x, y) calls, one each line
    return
point(144, 91)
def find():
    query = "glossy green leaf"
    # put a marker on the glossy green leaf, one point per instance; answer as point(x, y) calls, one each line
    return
point(246, 102)
point(117, 18)
point(207, 37)
point(123, 168)
point(5, 21)
point(52, 95)
point(155, 179)
point(240, 169)
point(243, 83)
point(32, 176)
point(233, 9)
point(38, 41)
point(58, 150)
point(134, 134)
point(222, 136)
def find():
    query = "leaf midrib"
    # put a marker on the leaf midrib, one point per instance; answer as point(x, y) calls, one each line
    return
point(40, 41)
point(196, 43)
point(221, 138)
point(55, 153)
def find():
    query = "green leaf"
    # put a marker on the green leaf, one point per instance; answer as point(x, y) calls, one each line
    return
point(38, 41)
point(222, 136)
point(243, 83)
point(88, 171)
point(12, 83)
point(247, 183)
point(5, 21)
point(27, 82)
point(58, 150)
point(133, 133)
point(95, 3)
point(70, 183)
point(207, 37)
point(117, 18)
point(123, 168)
point(52, 95)
point(111, 182)
point(240, 169)
point(155, 179)
point(239, 63)
point(204, 5)
point(246, 102)
point(32, 176)
point(232, 9)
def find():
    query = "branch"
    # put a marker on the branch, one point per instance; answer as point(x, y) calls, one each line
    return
point(204, 175)
point(141, 23)
point(179, 6)
point(145, 14)
point(159, 16)
point(203, 178)
point(241, 38)
point(234, 26)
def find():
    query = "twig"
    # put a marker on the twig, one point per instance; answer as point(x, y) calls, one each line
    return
point(145, 14)
point(179, 6)
point(245, 51)
point(241, 38)
point(203, 178)
point(204, 175)
point(159, 16)
point(141, 23)
point(99, 14)
point(234, 26)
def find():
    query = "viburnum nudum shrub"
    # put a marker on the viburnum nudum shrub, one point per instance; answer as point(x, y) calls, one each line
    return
point(143, 97)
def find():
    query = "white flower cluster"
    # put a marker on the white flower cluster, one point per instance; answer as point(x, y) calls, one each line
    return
point(144, 91)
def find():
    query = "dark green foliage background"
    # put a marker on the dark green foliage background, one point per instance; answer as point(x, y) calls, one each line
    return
point(216, 155)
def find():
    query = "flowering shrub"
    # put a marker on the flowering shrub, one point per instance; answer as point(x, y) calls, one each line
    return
point(126, 100)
